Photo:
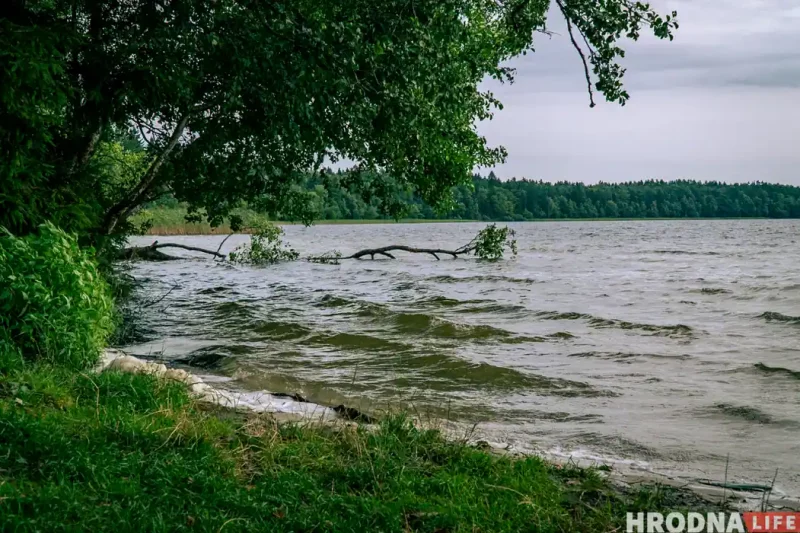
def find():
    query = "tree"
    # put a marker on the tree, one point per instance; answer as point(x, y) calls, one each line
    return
point(238, 99)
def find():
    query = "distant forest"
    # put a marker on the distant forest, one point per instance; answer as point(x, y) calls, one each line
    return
point(493, 199)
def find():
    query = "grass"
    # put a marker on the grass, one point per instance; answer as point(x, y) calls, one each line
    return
point(171, 221)
point(120, 452)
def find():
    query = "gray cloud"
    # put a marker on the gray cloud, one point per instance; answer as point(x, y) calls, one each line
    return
point(720, 102)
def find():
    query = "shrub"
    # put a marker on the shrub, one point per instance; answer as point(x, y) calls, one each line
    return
point(491, 242)
point(54, 305)
point(266, 247)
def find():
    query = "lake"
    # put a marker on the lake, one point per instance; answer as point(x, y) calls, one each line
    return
point(671, 346)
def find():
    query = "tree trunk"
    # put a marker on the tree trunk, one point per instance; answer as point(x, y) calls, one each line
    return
point(138, 194)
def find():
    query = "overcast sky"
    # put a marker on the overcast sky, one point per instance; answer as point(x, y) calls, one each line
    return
point(720, 102)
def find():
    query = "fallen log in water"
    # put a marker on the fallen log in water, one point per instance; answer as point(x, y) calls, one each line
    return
point(435, 252)
point(153, 253)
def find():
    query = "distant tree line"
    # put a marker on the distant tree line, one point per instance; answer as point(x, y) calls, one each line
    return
point(338, 196)
point(492, 199)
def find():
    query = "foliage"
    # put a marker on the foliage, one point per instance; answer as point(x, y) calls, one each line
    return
point(522, 199)
point(238, 99)
point(91, 452)
point(491, 242)
point(527, 199)
point(118, 168)
point(33, 92)
point(169, 217)
point(266, 247)
point(54, 305)
point(492, 199)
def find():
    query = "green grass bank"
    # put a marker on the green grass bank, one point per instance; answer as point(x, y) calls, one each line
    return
point(124, 452)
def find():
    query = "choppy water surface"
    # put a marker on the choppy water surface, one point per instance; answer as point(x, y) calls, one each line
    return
point(667, 344)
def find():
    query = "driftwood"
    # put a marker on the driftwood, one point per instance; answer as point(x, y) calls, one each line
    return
point(435, 252)
point(153, 253)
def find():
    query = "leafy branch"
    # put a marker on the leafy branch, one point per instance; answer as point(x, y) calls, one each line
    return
point(490, 243)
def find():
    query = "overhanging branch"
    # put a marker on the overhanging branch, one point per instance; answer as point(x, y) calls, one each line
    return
point(136, 196)
point(586, 71)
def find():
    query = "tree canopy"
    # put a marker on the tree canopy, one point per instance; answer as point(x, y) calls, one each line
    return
point(219, 101)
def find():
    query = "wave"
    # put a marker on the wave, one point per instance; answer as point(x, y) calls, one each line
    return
point(771, 316)
point(563, 335)
point(420, 323)
point(777, 370)
point(453, 373)
point(471, 306)
point(434, 326)
point(444, 301)
point(713, 290)
point(680, 252)
point(743, 412)
point(214, 290)
point(615, 444)
point(232, 309)
point(362, 308)
point(676, 330)
point(478, 279)
point(668, 330)
point(279, 330)
point(629, 357)
point(355, 341)
point(214, 357)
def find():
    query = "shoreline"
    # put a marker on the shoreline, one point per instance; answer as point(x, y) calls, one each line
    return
point(176, 230)
point(293, 409)
point(135, 445)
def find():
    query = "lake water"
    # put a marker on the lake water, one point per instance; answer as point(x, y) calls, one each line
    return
point(668, 345)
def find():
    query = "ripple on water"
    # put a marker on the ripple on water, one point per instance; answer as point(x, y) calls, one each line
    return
point(712, 290)
point(216, 290)
point(278, 330)
point(481, 279)
point(772, 316)
point(440, 328)
point(677, 330)
point(761, 367)
point(238, 309)
point(742, 412)
point(446, 372)
point(355, 341)
point(617, 445)
point(470, 306)
point(624, 357)
point(215, 357)
point(430, 325)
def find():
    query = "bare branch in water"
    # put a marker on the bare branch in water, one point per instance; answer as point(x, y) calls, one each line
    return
point(152, 252)
point(384, 251)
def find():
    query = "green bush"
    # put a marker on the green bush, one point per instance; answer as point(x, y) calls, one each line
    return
point(266, 247)
point(491, 242)
point(54, 305)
